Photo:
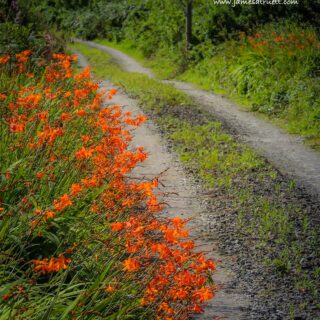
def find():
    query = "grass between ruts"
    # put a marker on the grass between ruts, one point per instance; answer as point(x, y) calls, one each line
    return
point(268, 215)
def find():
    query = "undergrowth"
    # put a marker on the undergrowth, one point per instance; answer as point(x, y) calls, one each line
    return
point(267, 213)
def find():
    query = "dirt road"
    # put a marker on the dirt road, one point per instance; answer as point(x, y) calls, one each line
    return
point(286, 152)
point(183, 199)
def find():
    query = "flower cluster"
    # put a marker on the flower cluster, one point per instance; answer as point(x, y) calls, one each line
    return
point(270, 42)
point(67, 183)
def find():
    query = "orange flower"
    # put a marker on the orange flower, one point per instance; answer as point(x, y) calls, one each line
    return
point(117, 226)
point(63, 202)
point(203, 294)
point(131, 265)
point(49, 215)
point(53, 265)
point(65, 116)
point(43, 115)
point(67, 94)
point(4, 59)
point(86, 138)
point(40, 175)
point(17, 127)
point(81, 113)
point(75, 189)
point(110, 289)
point(84, 153)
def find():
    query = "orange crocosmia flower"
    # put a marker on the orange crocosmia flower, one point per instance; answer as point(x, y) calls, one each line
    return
point(63, 202)
point(34, 223)
point(33, 99)
point(178, 222)
point(40, 175)
point(49, 215)
point(52, 158)
point(188, 245)
point(178, 294)
point(117, 226)
point(75, 189)
point(81, 113)
point(65, 116)
point(38, 212)
point(84, 153)
point(53, 265)
point(66, 64)
point(4, 59)
point(43, 115)
point(3, 97)
point(67, 94)
point(86, 138)
point(173, 235)
point(94, 208)
point(16, 127)
point(85, 74)
point(131, 265)
point(23, 56)
point(90, 182)
point(59, 56)
point(203, 294)
point(113, 91)
point(137, 121)
point(110, 289)
point(196, 308)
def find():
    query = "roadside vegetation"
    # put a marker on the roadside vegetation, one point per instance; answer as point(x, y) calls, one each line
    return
point(266, 58)
point(79, 239)
point(269, 219)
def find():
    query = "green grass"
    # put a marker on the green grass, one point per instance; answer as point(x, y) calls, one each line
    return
point(266, 208)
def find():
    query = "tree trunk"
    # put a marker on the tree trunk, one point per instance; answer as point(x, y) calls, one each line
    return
point(189, 24)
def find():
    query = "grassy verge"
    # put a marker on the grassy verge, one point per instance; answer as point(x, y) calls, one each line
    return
point(78, 240)
point(268, 216)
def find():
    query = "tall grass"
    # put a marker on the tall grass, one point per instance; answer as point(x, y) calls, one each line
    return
point(79, 240)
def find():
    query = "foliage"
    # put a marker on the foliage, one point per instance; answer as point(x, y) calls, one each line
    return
point(276, 70)
point(79, 238)
point(23, 26)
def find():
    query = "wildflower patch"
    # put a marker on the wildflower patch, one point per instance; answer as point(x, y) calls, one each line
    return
point(78, 238)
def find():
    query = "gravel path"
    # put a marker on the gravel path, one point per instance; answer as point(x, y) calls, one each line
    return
point(286, 152)
point(184, 199)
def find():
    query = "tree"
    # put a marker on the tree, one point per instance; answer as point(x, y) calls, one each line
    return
point(187, 6)
point(188, 13)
